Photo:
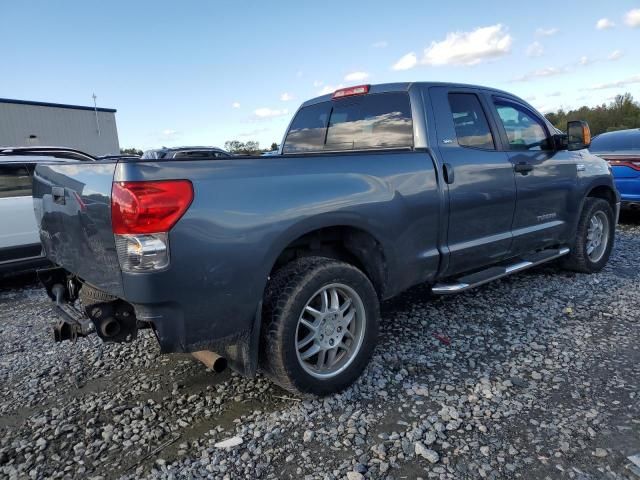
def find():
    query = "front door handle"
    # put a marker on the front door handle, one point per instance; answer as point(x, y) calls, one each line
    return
point(447, 171)
point(523, 168)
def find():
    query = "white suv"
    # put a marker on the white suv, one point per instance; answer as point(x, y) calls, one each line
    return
point(20, 248)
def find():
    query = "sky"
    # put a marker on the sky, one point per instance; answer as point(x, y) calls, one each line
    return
point(204, 72)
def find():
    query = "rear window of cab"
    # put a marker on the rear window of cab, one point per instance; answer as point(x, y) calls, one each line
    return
point(356, 123)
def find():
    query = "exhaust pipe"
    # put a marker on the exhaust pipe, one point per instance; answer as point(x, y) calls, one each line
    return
point(109, 327)
point(211, 360)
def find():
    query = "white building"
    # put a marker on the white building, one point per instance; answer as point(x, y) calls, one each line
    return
point(24, 123)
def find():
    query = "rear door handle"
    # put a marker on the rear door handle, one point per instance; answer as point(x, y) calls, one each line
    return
point(447, 171)
point(523, 168)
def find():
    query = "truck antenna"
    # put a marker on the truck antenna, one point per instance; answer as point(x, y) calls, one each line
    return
point(95, 109)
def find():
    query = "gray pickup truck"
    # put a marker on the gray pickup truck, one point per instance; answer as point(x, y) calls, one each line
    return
point(278, 263)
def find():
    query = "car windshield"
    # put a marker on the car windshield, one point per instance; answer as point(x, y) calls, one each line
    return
point(616, 142)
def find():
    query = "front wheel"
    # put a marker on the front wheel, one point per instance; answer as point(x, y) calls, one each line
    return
point(594, 237)
point(321, 325)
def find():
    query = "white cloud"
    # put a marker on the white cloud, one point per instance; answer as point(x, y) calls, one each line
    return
point(299, 74)
point(541, 73)
point(168, 132)
point(269, 112)
point(469, 48)
point(615, 55)
point(405, 63)
point(554, 94)
point(356, 76)
point(286, 96)
point(235, 105)
point(616, 84)
point(584, 60)
point(632, 18)
point(604, 23)
point(535, 50)
point(380, 44)
point(317, 83)
point(329, 89)
point(546, 32)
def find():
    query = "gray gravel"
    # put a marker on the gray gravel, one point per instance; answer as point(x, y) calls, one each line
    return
point(535, 376)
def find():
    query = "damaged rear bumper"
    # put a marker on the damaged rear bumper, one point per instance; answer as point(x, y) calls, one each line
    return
point(116, 320)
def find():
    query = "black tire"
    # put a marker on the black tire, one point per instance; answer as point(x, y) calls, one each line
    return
point(578, 260)
point(287, 294)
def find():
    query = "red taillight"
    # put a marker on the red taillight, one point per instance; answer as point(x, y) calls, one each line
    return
point(149, 207)
point(349, 92)
point(633, 163)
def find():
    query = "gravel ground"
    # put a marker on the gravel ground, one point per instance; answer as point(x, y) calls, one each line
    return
point(533, 377)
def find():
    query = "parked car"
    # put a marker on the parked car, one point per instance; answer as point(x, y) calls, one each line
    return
point(119, 157)
point(279, 263)
point(185, 153)
point(622, 150)
point(20, 248)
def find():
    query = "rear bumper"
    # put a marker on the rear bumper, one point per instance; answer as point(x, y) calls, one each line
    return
point(177, 329)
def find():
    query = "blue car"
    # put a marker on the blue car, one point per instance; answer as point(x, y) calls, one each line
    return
point(622, 150)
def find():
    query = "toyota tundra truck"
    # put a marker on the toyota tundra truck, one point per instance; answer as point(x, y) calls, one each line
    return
point(278, 264)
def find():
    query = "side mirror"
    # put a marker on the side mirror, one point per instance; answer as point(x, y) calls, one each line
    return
point(578, 135)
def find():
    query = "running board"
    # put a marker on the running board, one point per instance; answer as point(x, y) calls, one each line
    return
point(493, 273)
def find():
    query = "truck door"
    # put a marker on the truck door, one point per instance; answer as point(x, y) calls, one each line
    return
point(479, 178)
point(19, 237)
point(545, 177)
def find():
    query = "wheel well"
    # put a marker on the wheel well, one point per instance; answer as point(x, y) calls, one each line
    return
point(348, 244)
point(605, 193)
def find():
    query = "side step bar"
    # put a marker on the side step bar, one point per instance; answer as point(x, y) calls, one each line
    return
point(493, 273)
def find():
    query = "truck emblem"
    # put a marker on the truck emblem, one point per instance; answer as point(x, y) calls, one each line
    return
point(447, 140)
point(546, 216)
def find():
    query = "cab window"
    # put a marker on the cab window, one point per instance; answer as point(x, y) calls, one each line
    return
point(524, 130)
point(357, 123)
point(470, 121)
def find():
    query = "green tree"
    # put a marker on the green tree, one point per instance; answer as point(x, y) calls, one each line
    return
point(130, 151)
point(237, 147)
point(622, 113)
point(274, 146)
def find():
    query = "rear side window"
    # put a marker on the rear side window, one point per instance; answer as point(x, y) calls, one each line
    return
point(470, 121)
point(14, 181)
point(357, 123)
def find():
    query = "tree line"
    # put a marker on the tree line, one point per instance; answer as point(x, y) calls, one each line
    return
point(247, 148)
point(620, 114)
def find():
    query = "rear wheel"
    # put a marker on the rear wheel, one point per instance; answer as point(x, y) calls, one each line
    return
point(321, 325)
point(594, 237)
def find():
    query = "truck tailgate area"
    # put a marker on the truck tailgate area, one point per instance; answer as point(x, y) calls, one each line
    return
point(72, 203)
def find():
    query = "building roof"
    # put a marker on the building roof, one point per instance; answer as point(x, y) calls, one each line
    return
point(56, 105)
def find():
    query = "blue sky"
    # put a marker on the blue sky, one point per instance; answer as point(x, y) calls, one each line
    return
point(196, 72)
